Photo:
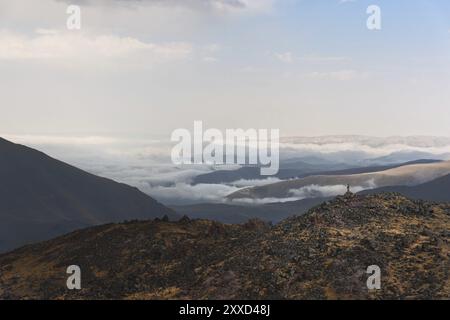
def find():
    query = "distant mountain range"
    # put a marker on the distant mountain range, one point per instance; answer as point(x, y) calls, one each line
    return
point(437, 190)
point(323, 254)
point(288, 170)
point(298, 169)
point(41, 197)
point(402, 156)
point(368, 141)
point(406, 175)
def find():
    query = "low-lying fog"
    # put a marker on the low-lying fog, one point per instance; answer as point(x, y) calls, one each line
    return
point(146, 163)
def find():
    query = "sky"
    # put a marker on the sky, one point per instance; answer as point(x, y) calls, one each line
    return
point(145, 68)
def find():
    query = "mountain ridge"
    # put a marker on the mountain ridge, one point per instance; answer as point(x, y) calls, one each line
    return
point(437, 190)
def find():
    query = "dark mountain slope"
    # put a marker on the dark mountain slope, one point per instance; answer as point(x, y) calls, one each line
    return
point(437, 190)
point(230, 213)
point(41, 197)
point(377, 168)
point(323, 254)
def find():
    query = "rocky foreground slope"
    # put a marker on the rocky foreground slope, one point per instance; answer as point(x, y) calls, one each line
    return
point(323, 254)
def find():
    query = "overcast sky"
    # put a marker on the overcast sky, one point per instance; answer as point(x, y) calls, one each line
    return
point(147, 67)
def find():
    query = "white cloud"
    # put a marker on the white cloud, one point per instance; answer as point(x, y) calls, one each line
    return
point(61, 140)
point(307, 192)
point(209, 52)
point(263, 200)
point(319, 59)
point(53, 45)
point(254, 182)
point(286, 57)
point(186, 193)
point(221, 6)
point(315, 191)
point(289, 57)
point(369, 146)
point(341, 75)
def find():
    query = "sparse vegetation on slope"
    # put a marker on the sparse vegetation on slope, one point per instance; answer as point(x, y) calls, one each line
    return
point(323, 254)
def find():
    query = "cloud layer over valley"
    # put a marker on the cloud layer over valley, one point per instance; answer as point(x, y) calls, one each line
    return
point(146, 164)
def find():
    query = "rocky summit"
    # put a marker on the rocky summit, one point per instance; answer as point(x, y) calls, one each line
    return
point(323, 254)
